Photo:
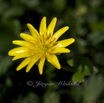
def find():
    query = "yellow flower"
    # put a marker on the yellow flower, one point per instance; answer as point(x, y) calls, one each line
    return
point(40, 46)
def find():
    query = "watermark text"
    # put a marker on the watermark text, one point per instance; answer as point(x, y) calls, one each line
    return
point(43, 84)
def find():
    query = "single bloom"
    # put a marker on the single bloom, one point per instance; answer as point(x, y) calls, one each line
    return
point(38, 46)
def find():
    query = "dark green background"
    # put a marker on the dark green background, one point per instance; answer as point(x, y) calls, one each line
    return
point(84, 63)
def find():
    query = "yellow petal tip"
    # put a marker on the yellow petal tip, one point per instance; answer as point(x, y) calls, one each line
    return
point(10, 53)
point(40, 73)
point(27, 71)
point(13, 59)
point(21, 34)
point(59, 67)
point(13, 42)
point(73, 40)
point(17, 69)
point(55, 18)
point(69, 51)
point(28, 24)
point(44, 17)
point(67, 27)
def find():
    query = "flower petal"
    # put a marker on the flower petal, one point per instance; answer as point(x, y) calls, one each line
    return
point(16, 51)
point(33, 31)
point(42, 28)
point(22, 55)
point(24, 44)
point(66, 42)
point(51, 58)
point(32, 62)
point(59, 50)
point(21, 42)
point(41, 64)
point(60, 32)
point(23, 63)
point(27, 37)
point(51, 26)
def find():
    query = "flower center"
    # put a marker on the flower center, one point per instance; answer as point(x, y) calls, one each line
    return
point(42, 47)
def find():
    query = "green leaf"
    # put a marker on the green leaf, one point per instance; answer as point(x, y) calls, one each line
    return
point(70, 62)
point(31, 3)
point(3, 6)
point(5, 63)
point(80, 74)
point(51, 97)
point(81, 45)
point(14, 25)
point(8, 82)
point(6, 38)
point(96, 38)
point(93, 87)
point(59, 5)
point(29, 98)
point(89, 91)
point(13, 11)
point(97, 26)
point(86, 71)
point(82, 10)
point(76, 93)
point(95, 70)
point(78, 77)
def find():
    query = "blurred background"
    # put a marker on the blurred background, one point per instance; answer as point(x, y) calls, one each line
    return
point(84, 65)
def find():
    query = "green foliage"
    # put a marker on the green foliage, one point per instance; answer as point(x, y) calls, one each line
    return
point(79, 75)
point(70, 62)
point(89, 91)
point(30, 98)
point(14, 11)
point(97, 26)
point(51, 97)
point(56, 4)
point(5, 63)
point(31, 3)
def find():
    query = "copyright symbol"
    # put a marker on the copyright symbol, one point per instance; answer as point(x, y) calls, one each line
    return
point(29, 83)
